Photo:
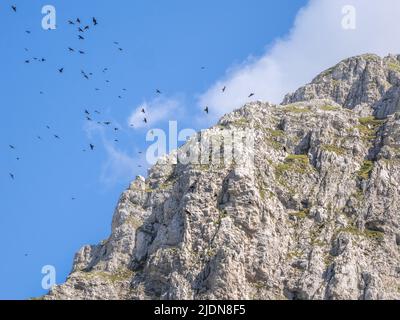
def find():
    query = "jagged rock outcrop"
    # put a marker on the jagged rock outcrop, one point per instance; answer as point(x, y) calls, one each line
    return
point(312, 214)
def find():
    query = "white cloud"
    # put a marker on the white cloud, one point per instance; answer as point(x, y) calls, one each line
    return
point(316, 42)
point(157, 110)
point(119, 165)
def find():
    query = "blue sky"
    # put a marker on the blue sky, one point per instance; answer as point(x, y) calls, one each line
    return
point(165, 45)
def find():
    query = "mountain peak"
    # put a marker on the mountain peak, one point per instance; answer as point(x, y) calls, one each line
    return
point(365, 80)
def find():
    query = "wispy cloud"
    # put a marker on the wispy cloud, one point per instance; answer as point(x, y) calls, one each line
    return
point(316, 42)
point(157, 110)
point(119, 166)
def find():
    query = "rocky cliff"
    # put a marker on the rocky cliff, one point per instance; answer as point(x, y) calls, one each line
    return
point(314, 214)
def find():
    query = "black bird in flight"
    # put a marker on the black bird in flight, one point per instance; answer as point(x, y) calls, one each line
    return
point(88, 119)
point(91, 147)
point(17, 158)
point(81, 38)
point(120, 49)
point(158, 91)
point(26, 49)
point(12, 176)
point(116, 43)
point(81, 52)
point(251, 95)
point(48, 127)
point(61, 70)
point(11, 146)
point(28, 32)
point(70, 49)
point(70, 22)
point(206, 110)
point(116, 129)
point(107, 123)
point(56, 136)
point(80, 29)
point(87, 112)
point(143, 111)
point(145, 120)
point(14, 8)
point(86, 28)
point(105, 69)
point(94, 21)
point(43, 60)
point(39, 137)
point(98, 112)
point(27, 61)
point(78, 20)
point(223, 89)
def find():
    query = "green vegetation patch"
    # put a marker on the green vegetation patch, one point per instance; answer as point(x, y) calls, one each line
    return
point(294, 163)
point(300, 214)
point(366, 169)
point(329, 108)
point(369, 127)
point(333, 149)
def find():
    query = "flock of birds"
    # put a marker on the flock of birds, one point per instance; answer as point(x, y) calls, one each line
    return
point(82, 29)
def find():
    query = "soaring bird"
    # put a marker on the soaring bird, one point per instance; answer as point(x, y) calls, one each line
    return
point(145, 120)
point(81, 38)
point(206, 110)
point(27, 61)
point(11, 176)
point(94, 21)
point(107, 123)
point(105, 69)
point(98, 112)
point(56, 136)
point(120, 49)
point(88, 119)
point(87, 112)
point(86, 28)
point(158, 91)
point(91, 147)
point(61, 70)
point(80, 29)
point(78, 20)
point(223, 89)
point(70, 22)
point(251, 95)
point(143, 111)
point(81, 52)
point(28, 32)
point(14, 8)
point(70, 49)
point(11, 146)
point(116, 43)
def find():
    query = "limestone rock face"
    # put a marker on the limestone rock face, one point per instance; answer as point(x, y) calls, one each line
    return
point(366, 80)
point(312, 214)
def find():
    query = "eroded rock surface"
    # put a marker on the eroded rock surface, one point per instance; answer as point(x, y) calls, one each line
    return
point(315, 214)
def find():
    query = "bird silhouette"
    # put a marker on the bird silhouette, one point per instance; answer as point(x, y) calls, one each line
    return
point(86, 28)
point(61, 70)
point(206, 110)
point(27, 61)
point(81, 52)
point(11, 146)
point(14, 8)
point(88, 119)
point(12, 176)
point(78, 20)
point(251, 95)
point(145, 120)
point(56, 136)
point(143, 111)
point(81, 38)
point(158, 91)
point(70, 22)
point(95, 21)
point(70, 49)
point(98, 112)
point(80, 29)
point(107, 123)
point(28, 32)
point(223, 89)
point(91, 147)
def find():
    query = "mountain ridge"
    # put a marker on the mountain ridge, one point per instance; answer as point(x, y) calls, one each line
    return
point(312, 214)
